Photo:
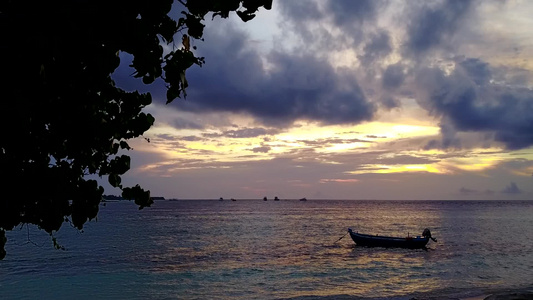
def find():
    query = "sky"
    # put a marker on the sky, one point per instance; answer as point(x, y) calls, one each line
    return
point(367, 99)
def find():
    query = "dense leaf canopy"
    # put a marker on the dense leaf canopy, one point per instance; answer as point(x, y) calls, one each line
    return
point(64, 118)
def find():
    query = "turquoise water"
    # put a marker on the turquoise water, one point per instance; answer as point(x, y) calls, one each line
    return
point(253, 249)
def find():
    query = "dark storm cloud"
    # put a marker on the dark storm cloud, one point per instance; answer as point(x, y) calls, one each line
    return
point(389, 102)
point(348, 12)
point(313, 23)
point(431, 25)
point(303, 21)
point(296, 86)
point(378, 46)
point(477, 70)
point(345, 14)
point(448, 140)
point(467, 101)
point(300, 11)
point(393, 77)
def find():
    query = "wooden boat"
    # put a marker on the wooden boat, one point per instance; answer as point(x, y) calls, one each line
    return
point(367, 240)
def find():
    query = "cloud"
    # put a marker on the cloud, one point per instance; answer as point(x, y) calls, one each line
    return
point(467, 100)
point(300, 11)
point(373, 136)
point(262, 149)
point(326, 142)
point(477, 70)
point(378, 47)
point(190, 138)
point(293, 86)
point(405, 160)
point(166, 141)
point(336, 180)
point(182, 123)
point(448, 140)
point(327, 25)
point(432, 24)
point(393, 76)
point(243, 133)
point(348, 14)
point(512, 189)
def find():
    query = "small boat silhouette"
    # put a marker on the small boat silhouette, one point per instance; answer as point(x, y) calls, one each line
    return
point(409, 242)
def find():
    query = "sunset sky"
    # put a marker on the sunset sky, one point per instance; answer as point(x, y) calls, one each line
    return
point(348, 100)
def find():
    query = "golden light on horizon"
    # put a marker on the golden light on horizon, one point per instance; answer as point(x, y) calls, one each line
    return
point(473, 164)
point(527, 172)
point(386, 169)
point(214, 147)
point(345, 147)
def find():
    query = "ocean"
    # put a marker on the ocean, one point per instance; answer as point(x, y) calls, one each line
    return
point(288, 249)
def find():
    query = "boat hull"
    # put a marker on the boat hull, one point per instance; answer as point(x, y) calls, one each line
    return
point(367, 240)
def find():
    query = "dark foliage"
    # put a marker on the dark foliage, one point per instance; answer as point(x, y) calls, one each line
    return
point(63, 117)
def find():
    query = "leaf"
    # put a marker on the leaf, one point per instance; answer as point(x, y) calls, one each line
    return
point(64, 134)
point(114, 180)
point(141, 197)
point(245, 16)
point(124, 145)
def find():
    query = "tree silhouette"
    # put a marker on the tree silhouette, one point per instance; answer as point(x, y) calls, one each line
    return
point(64, 118)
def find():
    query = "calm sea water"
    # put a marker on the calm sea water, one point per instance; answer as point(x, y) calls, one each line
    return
point(276, 250)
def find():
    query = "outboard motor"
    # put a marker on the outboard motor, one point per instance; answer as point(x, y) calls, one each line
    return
point(427, 233)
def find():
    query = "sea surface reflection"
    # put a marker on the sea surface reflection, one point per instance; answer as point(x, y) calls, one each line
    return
point(283, 249)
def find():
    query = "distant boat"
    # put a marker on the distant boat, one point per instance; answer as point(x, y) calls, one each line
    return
point(221, 199)
point(303, 199)
point(276, 198)
point(232, 199)
point(265, 198)
point(409, 242)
